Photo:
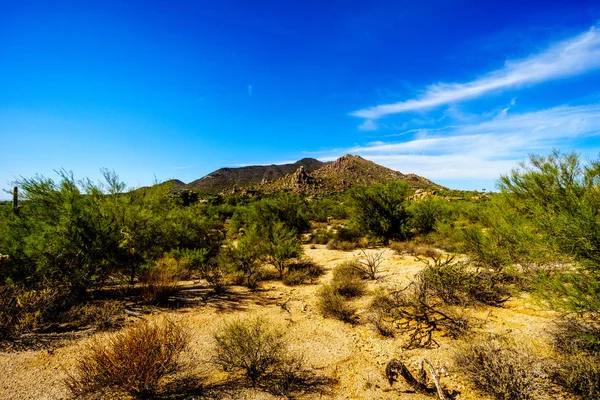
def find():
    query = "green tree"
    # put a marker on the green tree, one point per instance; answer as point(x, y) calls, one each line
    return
point(281, 246)
point(381, 210)
point(561, 195)
point(246, 255)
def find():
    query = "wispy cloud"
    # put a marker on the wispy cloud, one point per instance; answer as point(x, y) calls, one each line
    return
point(368, 125)
point(483, 149)
point(566, 58)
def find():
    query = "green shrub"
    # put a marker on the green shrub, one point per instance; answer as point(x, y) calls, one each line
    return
point(134, 360)
point(245, 257)
point(251, 347)
point(347, 279)
point(332, 304)
point(297, 277)
point(323, 236)
point(425, 214)
point(456, 283)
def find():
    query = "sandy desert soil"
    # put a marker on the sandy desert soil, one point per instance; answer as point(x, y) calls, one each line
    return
point(352, 358)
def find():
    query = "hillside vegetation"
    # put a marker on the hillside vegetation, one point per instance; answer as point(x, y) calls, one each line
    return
point(358, 282)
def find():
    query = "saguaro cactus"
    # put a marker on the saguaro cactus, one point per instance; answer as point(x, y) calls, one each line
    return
point(16, 199)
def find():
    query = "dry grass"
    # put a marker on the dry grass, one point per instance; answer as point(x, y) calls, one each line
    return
point(102, 315)
point(335, 244)
point(578, 367)
point(134, 360)
point(161, 282)
point(22, 310)
point(504, 369)
point(415, 249)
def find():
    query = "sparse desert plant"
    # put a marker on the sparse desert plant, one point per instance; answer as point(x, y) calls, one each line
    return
point(332, 304)
point(381, 314)
point(252, 347)
point(335, 244)
point(103, 315)
point(457, 283)
point(296, 277)
point(369, 263)
point(323, 236)
point(21, 310)
point(313, 269)
point(415, 249)
point(347, 280)
point(414, 312)
point(161, 282)
point(504, 369)
point(134, 360)
point(302, 270)
point(578, 367)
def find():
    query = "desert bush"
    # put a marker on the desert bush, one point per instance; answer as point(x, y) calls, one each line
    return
point(294, 278)
point(414, 312)
point(347, 279)
point(245, 257)
point(161, 281)
point(301, 271)
point(323, 236)
point(456, 283)
point(579, 374)
point(313, 269)
point(103, 315)
point(573, 335)
point(134, 360)
point(415, 249)
point(504, 369)
point(21, 310)
point(347, 233)
point(332, 304)
point(251, 347)
point(425, 214)
point(369, 263)
point(578, 367)
point(335, 244)
point(381, 315)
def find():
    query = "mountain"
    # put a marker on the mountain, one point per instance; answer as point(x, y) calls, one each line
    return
point(342, 174)
point(246, 177)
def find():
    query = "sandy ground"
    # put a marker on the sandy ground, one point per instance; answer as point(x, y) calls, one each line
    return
point(353, 357)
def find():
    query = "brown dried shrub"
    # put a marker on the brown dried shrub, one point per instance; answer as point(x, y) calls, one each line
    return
point(134, 360)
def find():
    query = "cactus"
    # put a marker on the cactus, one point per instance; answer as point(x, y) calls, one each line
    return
point(16, 199)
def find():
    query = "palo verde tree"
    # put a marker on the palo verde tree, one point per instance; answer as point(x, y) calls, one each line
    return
point(381, 210)
point(282, 244)
point(561, 194)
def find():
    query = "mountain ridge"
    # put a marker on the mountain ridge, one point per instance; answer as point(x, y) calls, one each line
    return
point(307, 176)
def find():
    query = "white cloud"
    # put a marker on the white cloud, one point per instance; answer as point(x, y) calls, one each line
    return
point(484, 149)
point(368, 125)
point(569, 57)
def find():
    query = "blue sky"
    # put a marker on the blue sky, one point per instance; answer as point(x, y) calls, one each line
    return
point(456, 91)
